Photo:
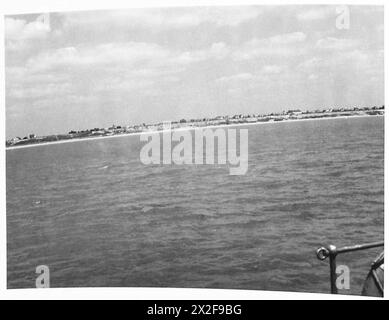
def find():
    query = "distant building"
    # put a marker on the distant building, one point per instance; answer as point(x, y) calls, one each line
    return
point(294, 112)
point(13, 141)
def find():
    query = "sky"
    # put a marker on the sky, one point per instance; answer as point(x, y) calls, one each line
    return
point(79, 70)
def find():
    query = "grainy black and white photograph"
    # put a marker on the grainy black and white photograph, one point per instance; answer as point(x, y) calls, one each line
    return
point(218, 147)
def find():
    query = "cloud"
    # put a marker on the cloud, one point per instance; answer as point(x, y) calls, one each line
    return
point(272, 69)
point(163, 18)
point(216, 51)
point(310, 63)
point(123, 55)
point(265, 74)
point(331, 43)
point(39, 90)
point(288, 38)
point(319, 13)
point(135, 65)
point(20, 34)
point(236, 77)
point(342, 64)
point(102, 55)
point(19, 29)
point(287, 44)
point(105, 67)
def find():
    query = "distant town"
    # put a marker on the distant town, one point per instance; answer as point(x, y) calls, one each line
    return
point(289, 115)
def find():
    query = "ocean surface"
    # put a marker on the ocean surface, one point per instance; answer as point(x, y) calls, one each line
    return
point(97, 216)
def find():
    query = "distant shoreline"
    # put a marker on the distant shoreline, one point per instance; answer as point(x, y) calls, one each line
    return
point(184, 129)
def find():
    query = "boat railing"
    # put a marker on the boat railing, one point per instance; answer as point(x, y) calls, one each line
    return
point(332, 252)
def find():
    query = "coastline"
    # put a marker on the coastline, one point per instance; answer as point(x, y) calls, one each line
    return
point(186, 128)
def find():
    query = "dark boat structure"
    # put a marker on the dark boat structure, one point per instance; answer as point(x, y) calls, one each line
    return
point(374, 283)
